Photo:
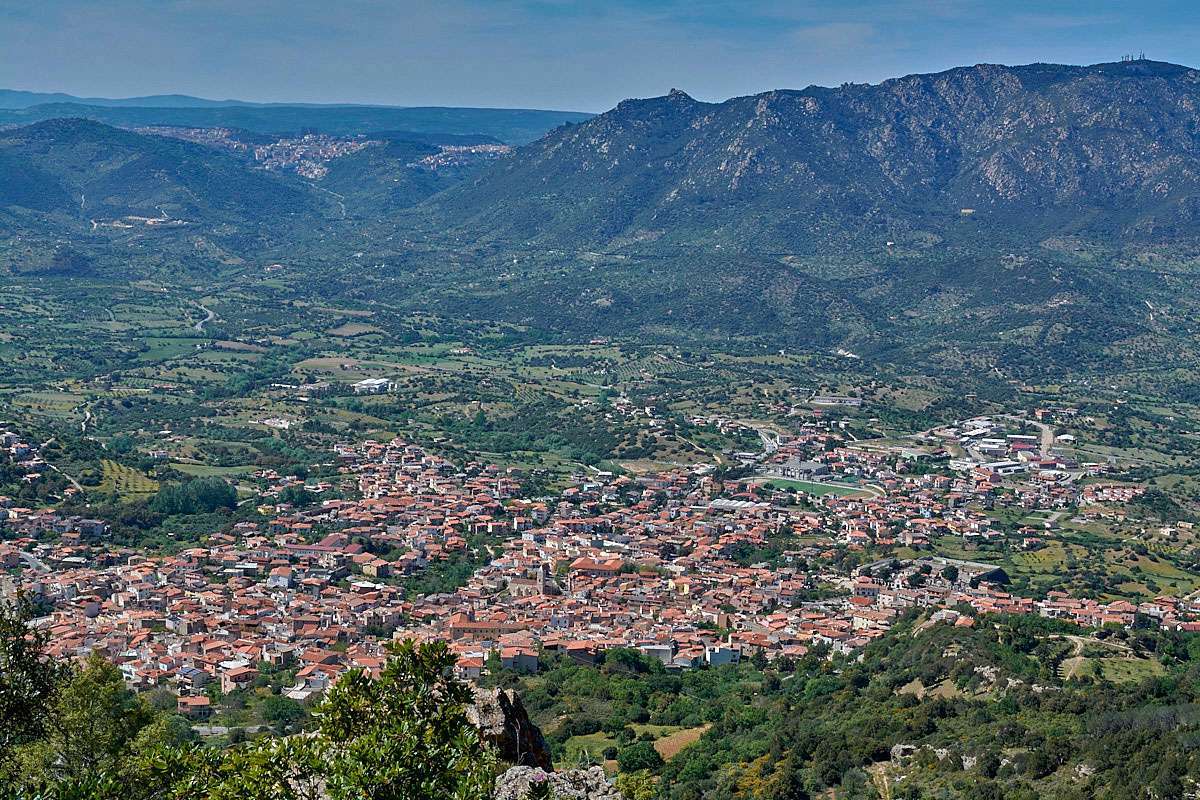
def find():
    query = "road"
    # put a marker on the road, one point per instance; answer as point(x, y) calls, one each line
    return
point(78, 486)
point(1047, 440)
point(698, 448)
point(33, 561)
point(770, 438)
point(211, 315)
point(87, 417)
point(339, 199)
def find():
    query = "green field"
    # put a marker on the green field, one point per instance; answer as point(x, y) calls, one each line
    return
point(816, 489)
point(125, 481)
point(669, 740)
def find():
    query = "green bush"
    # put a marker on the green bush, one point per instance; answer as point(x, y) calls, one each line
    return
point(638, 756)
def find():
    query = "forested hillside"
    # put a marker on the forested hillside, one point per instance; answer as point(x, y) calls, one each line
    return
point(932, 710)
point(65, 173)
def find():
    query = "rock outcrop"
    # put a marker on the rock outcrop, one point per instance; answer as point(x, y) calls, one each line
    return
point(505, 724)
point(574, 784)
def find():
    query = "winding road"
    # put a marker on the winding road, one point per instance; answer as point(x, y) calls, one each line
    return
point(339, 199)
point(210, 316)
point(78, 486)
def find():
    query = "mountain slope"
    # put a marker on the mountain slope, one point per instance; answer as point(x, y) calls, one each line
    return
point(75, 192)
point(511, 125)
point(1104, 151)
point(1039, 217)
point(108, 193)
point(404, 169)
point(82, 170)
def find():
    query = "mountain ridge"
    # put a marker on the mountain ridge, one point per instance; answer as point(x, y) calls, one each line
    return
point(952, 218)
point(92, 191)
point(880, 158)
point(510, 125)
point(22, 98)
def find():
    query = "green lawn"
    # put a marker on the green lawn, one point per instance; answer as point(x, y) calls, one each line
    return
point(816, 489)
point(586, 749)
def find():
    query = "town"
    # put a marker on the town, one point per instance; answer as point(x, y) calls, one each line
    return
point(818, 552)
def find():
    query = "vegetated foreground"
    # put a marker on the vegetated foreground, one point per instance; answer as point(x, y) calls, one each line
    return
point(1000, 723)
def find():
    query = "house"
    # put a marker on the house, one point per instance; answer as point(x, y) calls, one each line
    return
point(469, 668)
point(192, 678)
point(237, 678)
point(866, 586)
point(687, 658)
point(280, 578)
point(718, 655)
point(664, 653)
point(519, 659)
point(194, 707)
point(591, 567)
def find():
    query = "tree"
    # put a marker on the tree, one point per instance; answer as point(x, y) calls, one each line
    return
point(297, 495)
point(638, 756)
point(93, 719)
point(199, 496)
point(280, 711)
point(402, 736)
point(28, 680)
point(637, 785)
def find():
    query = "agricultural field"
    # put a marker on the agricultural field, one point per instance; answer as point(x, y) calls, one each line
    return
point(668, 740)
point(125, 482)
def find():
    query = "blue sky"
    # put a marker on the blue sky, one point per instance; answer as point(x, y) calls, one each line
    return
point(550, 53)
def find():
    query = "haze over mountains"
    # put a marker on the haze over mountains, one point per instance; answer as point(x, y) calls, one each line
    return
point(16, 98)
point(512, 125)
point(984, 203)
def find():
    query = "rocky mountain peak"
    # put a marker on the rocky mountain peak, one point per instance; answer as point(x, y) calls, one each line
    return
point(1108, 147)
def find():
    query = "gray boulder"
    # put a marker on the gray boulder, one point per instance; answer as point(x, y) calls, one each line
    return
point(504, 723)
point(572, 784)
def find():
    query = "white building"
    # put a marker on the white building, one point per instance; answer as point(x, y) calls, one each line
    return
point(373, 386)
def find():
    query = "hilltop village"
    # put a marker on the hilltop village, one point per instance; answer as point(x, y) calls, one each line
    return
point(821, 550)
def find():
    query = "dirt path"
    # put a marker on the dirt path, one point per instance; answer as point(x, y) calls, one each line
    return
point(339, 199)
point(1072, 666)
point(78, 486)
